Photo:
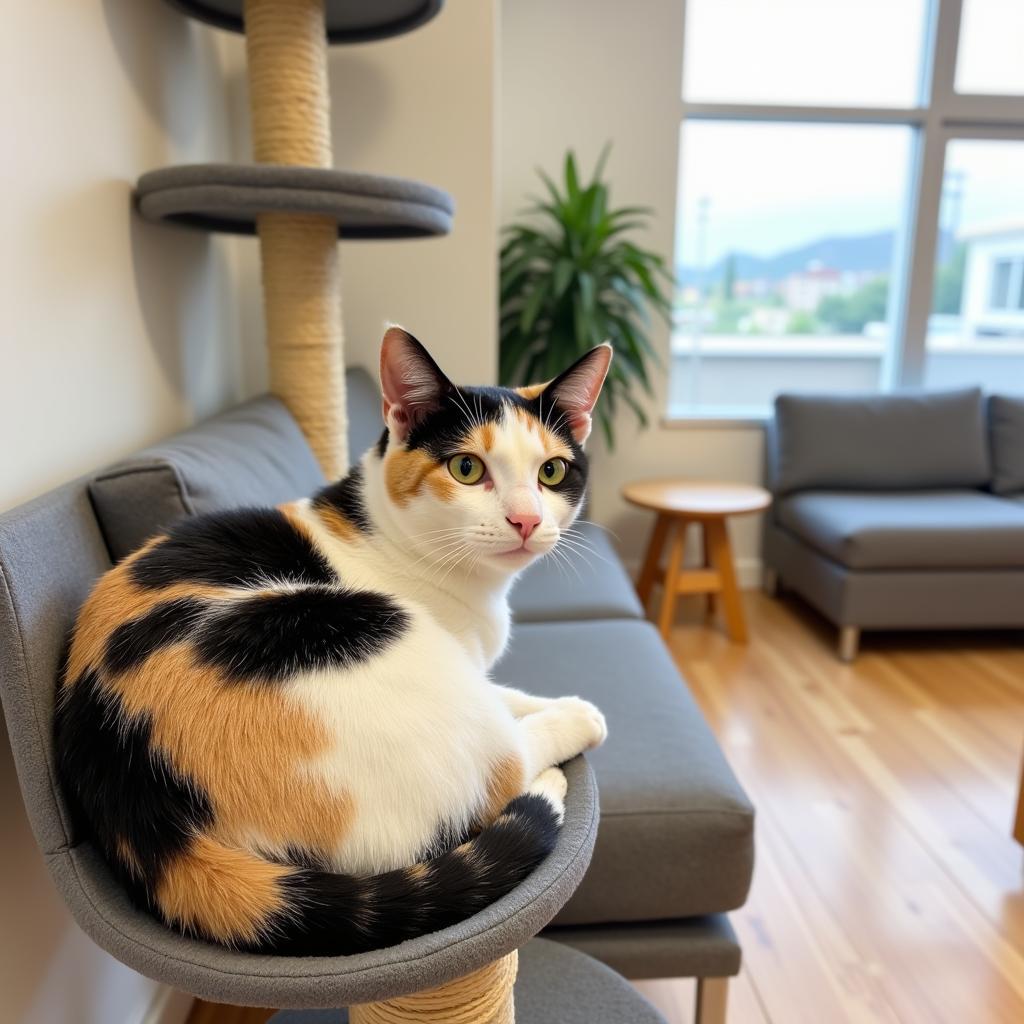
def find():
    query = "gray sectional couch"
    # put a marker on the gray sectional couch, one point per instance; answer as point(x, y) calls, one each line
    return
point(900, 511)
point(674, 849)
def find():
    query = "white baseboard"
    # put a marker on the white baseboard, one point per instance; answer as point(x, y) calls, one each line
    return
point(168, 1006)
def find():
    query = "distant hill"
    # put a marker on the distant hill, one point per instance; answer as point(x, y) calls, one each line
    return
point(840, 252)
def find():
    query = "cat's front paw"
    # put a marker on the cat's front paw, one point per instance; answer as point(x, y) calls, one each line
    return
point(587, 720)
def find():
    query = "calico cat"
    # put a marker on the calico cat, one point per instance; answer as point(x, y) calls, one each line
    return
point(277, 724)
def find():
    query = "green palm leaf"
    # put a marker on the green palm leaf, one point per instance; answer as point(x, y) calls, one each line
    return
point(571, 277)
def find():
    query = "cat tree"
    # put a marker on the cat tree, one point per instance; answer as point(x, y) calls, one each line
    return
point(292, 198)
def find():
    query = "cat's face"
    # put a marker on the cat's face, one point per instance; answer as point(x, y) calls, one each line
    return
point(483, 479)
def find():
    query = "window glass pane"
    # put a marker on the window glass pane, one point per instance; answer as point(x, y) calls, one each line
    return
point(785, 240)
point(976, 330)
point(1000, 285)
point(991, 57)
point(819, 52)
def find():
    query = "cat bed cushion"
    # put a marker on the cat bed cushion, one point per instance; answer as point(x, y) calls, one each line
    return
point(555, 983)
point(593, 584)
point(677, 831)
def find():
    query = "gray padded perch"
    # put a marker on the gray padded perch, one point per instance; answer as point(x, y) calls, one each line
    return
point(348, 21)
point(227, 198)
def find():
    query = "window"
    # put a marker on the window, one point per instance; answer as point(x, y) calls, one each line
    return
point(844, 221)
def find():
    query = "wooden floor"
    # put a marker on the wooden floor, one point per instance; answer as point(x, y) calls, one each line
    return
point(887, 887)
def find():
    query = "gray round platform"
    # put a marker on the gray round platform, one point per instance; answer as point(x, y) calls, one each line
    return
point(348, 21)
point(556, 985)
point(227, 197)
point(103, 911)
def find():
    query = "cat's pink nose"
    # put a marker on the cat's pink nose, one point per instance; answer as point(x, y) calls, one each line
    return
point(524, 522)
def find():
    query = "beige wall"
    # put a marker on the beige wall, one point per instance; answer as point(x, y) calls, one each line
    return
point(577, 74)
point(113, 333)
point(421, 106)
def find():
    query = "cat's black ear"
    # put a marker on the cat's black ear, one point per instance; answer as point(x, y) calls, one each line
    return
point(411, 382)
point(576, 390)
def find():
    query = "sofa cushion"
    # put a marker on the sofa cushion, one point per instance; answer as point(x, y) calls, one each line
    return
point(880, 442)
point(1006, 433)
point(253, 454)
point(365, 418)
point(676, 832)
point(908, 529)
point(593, 585)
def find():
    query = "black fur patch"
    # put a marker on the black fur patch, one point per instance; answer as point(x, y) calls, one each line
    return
point(238, 548)
point(440, 433)
point(134, 641)
point(338, 915)
point(382, 443)
point(272, 636)
point(347, 497)
point(120, 789)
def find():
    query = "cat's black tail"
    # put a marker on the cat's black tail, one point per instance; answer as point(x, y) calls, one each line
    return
point(238, 899)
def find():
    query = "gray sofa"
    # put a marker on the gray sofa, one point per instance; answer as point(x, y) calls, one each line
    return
point(674, 848)
point(899, 511)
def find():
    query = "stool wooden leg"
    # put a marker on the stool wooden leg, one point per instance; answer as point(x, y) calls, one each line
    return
point(675, 561)
point(717, 533)
point(710, 598)
point(1018, 828)
point(712, 1000)
point(652, 558)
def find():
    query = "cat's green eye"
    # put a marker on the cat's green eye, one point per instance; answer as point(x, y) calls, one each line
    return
point(553, 472)
point(467, 469)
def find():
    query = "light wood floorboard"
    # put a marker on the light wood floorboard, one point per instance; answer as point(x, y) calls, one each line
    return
point(888, 887)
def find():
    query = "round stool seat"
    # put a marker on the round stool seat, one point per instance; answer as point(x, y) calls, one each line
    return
point(697, 499)
point(348, 21)
point(556, 985)
point(227, 197)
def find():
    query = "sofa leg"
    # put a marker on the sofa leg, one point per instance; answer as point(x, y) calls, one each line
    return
point(712, 1000)
point(849, 643)
point(770, 581)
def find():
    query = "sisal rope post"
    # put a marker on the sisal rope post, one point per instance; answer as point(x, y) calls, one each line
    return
point(483, 997)
point(286, 46)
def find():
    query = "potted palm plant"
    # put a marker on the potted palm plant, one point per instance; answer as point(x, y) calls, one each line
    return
point(571, 278)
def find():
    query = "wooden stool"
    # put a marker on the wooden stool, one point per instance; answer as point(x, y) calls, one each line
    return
point(679, 503)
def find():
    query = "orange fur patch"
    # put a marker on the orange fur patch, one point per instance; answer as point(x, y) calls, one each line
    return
point(225, 893)
point(127, 857)
point(336, 523)
point(531, 391)
point(505, 783)
point(406, 472)
point(246, 746)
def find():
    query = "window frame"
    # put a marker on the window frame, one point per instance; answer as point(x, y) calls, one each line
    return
point(941, 116)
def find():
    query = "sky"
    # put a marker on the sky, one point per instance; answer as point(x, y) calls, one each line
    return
point(771, 187)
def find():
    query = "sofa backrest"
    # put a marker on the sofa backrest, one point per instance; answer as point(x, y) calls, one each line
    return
point(1006, 435)
point(253, 454)
point(879, 442)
